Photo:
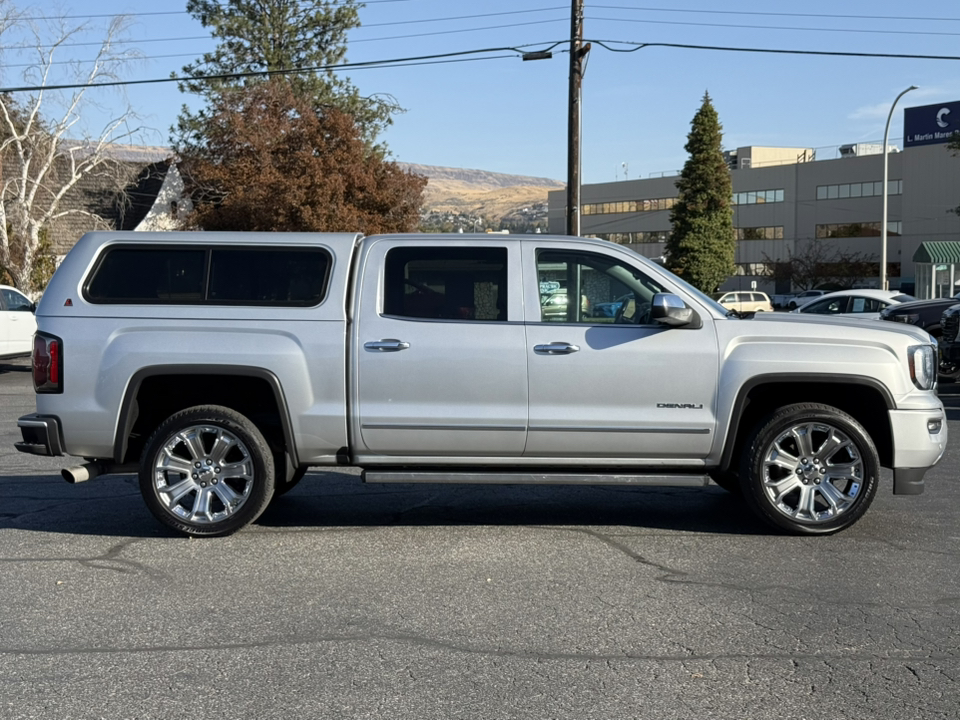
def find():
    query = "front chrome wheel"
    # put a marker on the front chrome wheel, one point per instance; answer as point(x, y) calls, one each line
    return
point(207, 471)
point(812, 472)
point(810, 468)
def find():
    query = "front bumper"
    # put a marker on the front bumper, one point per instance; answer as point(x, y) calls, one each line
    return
point(41, 435)
point(919, 441)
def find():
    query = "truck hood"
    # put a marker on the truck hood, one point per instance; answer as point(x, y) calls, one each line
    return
point(809, 324)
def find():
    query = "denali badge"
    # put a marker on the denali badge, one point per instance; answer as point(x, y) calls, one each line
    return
point(683, 406)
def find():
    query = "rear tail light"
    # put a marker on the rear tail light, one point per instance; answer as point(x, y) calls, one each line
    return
point(47, 363)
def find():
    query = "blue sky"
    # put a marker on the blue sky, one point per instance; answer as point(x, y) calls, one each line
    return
point(506, 115)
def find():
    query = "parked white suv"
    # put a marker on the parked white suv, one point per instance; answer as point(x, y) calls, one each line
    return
point(17, 323)
point(743, 301)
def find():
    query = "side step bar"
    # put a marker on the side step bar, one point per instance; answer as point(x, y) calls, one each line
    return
point(536, 478)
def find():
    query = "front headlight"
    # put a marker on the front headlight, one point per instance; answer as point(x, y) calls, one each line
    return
point(909, 319)
point(923, 366)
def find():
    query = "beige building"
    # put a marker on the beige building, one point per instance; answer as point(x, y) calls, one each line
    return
point(784, 198)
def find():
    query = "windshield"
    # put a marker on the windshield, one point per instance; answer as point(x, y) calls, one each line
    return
point(701, 296)
point(903, 298)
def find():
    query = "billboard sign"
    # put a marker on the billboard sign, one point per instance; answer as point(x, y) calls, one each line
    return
point(930, 124)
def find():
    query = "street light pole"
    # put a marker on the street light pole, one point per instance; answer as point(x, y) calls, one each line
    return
point(883, 222)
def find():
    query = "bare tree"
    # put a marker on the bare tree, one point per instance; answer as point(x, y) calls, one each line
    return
point(45, 148)
point(817, 263)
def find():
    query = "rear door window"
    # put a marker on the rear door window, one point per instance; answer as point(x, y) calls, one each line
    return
point(446, 283)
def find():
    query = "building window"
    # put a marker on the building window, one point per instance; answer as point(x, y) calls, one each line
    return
point(628, 206)
point(774, 232)
point(633, 238)
point(861, 229)
point(757, 269)
point(757, 197)
point(857, 190)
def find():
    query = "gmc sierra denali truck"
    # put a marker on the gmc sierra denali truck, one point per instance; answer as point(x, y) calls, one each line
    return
point(219, 367)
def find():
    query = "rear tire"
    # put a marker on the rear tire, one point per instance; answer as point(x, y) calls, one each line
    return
point(809, 469)
point(207, 471)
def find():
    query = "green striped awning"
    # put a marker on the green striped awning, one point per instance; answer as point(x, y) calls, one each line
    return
point(940, 252)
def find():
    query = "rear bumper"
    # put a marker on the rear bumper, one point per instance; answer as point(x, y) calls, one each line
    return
point(41, 435)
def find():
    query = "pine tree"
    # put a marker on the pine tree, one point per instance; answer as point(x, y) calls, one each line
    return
point(702, 242)
point(278, 35)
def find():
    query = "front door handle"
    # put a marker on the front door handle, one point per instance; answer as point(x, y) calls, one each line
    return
point(556, 348)
point(386, 345)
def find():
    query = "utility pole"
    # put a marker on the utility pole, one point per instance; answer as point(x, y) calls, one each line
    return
point(577, 53)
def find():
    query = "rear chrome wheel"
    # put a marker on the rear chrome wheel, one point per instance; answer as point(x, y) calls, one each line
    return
point(207, 471)
point(810, 469)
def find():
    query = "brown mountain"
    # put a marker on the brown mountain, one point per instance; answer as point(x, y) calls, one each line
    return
point(478, 193)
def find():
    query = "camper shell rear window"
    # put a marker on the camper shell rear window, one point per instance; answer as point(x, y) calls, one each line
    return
point(204, 275)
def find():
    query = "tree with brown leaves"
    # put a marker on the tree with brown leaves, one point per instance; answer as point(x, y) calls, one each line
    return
point(270, 162)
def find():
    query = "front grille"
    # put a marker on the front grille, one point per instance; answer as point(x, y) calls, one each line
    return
point(949, 324)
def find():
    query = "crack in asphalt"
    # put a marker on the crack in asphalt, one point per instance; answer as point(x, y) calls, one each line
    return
point(681, 577)
point(109, 560)
point(430, 643)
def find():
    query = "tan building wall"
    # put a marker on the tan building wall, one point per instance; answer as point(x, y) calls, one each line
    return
point(929, 180)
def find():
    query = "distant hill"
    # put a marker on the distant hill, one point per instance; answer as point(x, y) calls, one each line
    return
point(471, 199)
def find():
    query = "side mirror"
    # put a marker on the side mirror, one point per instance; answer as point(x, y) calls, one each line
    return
point(33, 308)
point(669, 309)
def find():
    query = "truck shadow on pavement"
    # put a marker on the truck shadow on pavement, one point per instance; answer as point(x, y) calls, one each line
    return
point(112, 506)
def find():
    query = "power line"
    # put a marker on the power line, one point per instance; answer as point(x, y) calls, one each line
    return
point(165, 12)
point(31, 46)
point(747, 13)
point(518, 50)
point(773, 27)
point(834, 53)
point(777, 14)
point(462, 55)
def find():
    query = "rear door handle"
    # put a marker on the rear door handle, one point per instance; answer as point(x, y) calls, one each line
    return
point(556, 348)
point(386, 345)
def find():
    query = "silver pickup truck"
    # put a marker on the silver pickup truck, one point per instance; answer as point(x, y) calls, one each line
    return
point(220, 367)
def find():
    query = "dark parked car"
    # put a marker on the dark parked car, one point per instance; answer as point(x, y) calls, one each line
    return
point(926, 314)
point(950, 342)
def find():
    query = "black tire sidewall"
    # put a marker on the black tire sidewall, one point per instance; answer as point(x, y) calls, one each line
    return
point(260, 455)
point(751, 468)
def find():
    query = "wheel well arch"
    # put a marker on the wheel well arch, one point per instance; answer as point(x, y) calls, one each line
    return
point(863, 398)
point(155, 393)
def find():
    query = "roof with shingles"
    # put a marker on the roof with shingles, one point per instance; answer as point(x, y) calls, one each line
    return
point(115, 196)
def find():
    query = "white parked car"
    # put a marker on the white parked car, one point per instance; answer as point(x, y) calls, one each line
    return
point(805, 297)
point(864, 303)
point(17, 323)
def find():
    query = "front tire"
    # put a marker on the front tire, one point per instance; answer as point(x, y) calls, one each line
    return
point(207, 471)
point(810, 469)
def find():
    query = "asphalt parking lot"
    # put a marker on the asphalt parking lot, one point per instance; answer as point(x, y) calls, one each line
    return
point(421, 602)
